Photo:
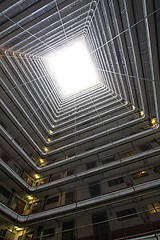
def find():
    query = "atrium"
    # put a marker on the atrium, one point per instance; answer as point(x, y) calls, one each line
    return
point(80, 164)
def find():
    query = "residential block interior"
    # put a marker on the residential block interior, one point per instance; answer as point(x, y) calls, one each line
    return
point(85, 166)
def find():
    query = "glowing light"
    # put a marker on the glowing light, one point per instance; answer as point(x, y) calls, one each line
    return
point(30, 198)
point(53, 126)
point(72, 68)
point(18, 229)
point(142, 113)
point(133, 107)
point(46, 149)
point(50, 131)
point(41, 160)
point(37, 176)
point(153, 121)
point(48, 140)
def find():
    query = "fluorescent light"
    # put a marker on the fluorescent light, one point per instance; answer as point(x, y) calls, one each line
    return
point(72, 68)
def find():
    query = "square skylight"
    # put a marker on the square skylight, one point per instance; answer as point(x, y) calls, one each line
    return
point(72, 68)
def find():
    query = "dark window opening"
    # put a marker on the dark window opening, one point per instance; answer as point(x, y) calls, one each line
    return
point(70, 172)
point(69, 198)
point(126, 214)
point(50, 232)
point(144, 147)
point(68, 231)
point(90, 165)
point(115, 181)
point(52, 200)
point(4, 192)
point(111, 159)
point(17, 169)
point(94, 189)
point(101, 230)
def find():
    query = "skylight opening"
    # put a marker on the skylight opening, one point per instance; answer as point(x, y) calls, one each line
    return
point(72, 68)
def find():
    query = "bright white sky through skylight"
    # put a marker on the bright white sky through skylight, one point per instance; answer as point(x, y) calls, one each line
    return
point(73, 69)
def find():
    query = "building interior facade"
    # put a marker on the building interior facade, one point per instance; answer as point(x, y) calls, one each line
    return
point(85, 166)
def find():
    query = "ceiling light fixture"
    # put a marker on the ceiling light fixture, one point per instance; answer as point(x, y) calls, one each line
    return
point(37, 176)
point(41, 160)
point(154, 122)
point(30, 198)
point(18, 229)
point(45, 149)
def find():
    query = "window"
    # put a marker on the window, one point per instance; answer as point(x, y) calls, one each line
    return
point(154, 207)
point(5, 158)
point(108, 160)
point(139, 174)
point(4, 192)
point(69, 198)
point(115, 181)
point(102, 230)
point(68, 231)
point(71, 155)
point(48, 233)
point(52, 200)
point(126, 154)
point(90, 165)
point(126, 214)
point(20, 206)
point(17, 169)
point(55, 177)
point(36, 207)
point(94, 189)
point(144, 147)
point(70, 172)
point(156, 169)
point(88, 148)
point(3, 125)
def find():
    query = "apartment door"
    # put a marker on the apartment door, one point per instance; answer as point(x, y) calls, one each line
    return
point(69, 198)
point(69, 232)
point(94, 189)
point(101, 230)
point(20, 207)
